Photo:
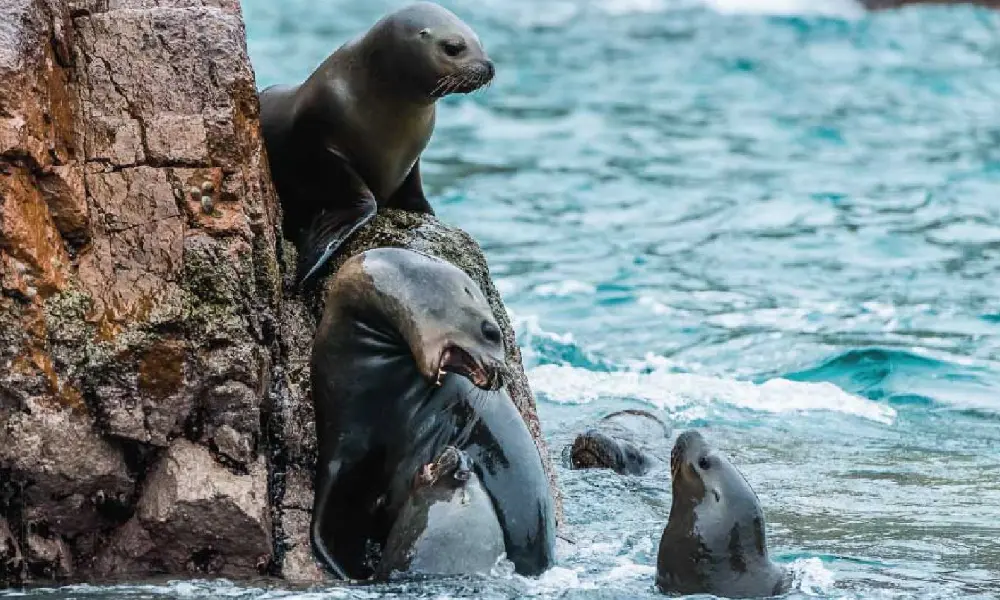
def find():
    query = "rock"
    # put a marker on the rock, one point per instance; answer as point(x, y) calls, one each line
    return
point(154, 381)
point(48, 557)
point(66, 469)
point(130, 323)
point(298, 563)
point(11, 560)
point(196, 516)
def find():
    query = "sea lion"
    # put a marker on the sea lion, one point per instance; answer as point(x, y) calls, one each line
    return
point(408, 360)
point(447, 526)
point(631, 442)
point(349, 139)
point(714, 542)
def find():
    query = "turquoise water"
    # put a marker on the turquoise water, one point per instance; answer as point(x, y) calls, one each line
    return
point(781, 229)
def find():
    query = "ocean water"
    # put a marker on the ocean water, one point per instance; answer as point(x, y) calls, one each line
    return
point(777, 222)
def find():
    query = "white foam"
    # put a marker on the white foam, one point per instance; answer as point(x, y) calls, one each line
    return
point(848, 9)
point(682, 393)
point(626, 570)
point(659, 308)
point(556, 581)
point(811, 577)
point(530, 327)
point(569, 287)
point(627, 7)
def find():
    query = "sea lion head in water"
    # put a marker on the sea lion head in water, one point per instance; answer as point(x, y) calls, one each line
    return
point(447, 328)
point(627, 441)
point(714, 542)
point(425, 49)
point(448, 525)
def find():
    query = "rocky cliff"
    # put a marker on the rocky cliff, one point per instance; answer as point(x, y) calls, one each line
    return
point(154, 403)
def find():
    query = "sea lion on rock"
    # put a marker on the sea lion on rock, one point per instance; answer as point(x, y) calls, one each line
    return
point(408, 360)
point(349, 139)
point(447, 526)
point(631, 442)
point(714, 542)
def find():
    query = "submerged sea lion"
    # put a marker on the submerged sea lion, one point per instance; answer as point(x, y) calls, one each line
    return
point(631, 442)
point(349, 138)
point(447, 526)
point(714, 542)
point(408, 360)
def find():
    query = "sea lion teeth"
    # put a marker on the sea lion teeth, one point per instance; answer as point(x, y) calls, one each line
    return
point(372, 405)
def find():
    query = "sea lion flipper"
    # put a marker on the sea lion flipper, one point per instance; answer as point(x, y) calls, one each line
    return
point(324, 488)
point(328, 232)
point(410, 195)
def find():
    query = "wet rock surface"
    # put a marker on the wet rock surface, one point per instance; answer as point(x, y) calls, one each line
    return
point(217, 521)
point(154, 404)
point(136, 332)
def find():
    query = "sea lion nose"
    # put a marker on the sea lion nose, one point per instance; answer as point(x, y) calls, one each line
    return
point(491, 332)
point(490, 69)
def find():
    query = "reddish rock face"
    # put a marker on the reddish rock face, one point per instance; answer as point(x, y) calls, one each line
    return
point(132, 323)
point(154, 404)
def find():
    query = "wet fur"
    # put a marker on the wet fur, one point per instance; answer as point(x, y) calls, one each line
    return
point(348, 139)
point(715, 540)
point(380, 418)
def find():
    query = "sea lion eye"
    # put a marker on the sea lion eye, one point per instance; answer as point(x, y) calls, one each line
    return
point(704, 463)
point(425, 33)
point(491, 333)
point(453, 48)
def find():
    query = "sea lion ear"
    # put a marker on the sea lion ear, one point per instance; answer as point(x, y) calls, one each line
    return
point(425, 33)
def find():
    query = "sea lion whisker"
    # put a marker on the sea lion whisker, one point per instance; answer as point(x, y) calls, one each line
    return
point(477, 82)
point(442, 82)
point(438, 86)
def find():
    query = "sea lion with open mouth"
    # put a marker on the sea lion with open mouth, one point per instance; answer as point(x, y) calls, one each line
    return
point(447, 526)
point(407, 361)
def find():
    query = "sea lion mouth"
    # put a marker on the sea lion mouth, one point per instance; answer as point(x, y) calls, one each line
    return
point(678, 456)
point(452, 463)
point(456, 360)
point(465, 81)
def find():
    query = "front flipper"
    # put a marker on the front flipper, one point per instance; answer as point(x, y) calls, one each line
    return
point(333, 226)
point(324, 487)
point(410, 195)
